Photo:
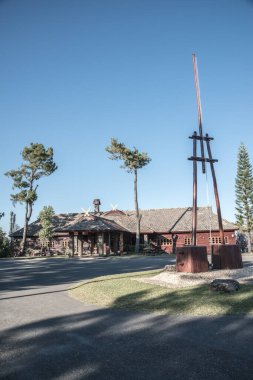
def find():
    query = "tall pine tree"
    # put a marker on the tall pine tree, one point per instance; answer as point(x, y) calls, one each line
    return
point(133, 160)
point(37, 163)
point(244, 193)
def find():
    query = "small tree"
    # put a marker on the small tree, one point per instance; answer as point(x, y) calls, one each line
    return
point(133, 160)
point(38, 162)
point(46, 232)
point(5, 248)
point(244, 193)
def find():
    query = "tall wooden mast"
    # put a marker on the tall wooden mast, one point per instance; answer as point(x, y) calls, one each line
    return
point(196, 77)
point(203, 160)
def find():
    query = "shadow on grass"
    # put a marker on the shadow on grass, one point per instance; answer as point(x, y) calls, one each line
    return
point(190, 301)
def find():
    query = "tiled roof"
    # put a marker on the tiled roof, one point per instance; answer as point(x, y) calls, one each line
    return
point(152, 221)
point(170, 220)
point(74, 222)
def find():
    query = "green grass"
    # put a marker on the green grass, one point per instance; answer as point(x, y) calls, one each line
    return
point(121, 291)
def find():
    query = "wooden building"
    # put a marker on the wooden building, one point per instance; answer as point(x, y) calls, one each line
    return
point(114, 231)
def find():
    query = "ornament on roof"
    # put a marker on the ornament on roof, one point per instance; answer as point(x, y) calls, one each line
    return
point(86, 211)
point(114, 207)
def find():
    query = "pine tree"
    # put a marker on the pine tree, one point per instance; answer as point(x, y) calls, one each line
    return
point(244, 193)
point(37, 163)
point(133, 160)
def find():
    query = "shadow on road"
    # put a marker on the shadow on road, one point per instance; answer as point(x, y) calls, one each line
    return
point(112, 344)
point(19, 275)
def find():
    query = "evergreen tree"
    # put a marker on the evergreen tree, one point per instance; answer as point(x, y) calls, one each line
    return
point(38, 162)
point(46, 232)
point(133, 160)
point(244, 193)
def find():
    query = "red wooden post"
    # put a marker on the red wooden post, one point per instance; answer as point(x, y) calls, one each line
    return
point(217, 200)
point(194, 208)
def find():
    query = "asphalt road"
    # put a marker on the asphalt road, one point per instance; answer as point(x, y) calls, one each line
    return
point(45, 334)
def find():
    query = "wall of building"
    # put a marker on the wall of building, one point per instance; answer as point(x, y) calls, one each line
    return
point(164, 241)
point(63, 242)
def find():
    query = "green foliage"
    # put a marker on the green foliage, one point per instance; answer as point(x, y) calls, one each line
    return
point(38, 162)
point(45, 217)
point(244, 190)
point(132, 159)
point(5, 249)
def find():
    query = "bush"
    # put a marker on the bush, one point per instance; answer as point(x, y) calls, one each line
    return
point(5, 247)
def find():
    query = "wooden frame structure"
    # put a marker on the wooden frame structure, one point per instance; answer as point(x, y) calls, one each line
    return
point(203, 139)
point(194, 259)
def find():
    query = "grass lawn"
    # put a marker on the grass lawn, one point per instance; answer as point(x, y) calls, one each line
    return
point(121, 291)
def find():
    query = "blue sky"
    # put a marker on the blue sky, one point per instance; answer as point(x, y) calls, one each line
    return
point(74, 73)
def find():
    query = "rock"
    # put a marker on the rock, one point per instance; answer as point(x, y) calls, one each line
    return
point(226, 285)
point(170, 268)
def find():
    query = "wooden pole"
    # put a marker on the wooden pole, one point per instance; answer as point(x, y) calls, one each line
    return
point(194, 207)
point(217, 200)
point(199, 111)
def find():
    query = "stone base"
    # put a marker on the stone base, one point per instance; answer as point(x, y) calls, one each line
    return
point(192, 259)
point(226, 256)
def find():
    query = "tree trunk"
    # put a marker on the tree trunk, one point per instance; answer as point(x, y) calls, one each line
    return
point(28, 214)
point(137, 242)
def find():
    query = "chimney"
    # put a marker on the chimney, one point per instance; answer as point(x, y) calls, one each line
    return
point(96, 203)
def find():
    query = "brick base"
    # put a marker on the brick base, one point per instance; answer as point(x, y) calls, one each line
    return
point(226, 257)
point(192, 259)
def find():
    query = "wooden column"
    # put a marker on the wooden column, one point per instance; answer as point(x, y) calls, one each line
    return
point(109, 242)
point(121, 242)
point(71, 244)
point(115, 243)
point(100, 243)
point(194, 206)
point(75, 243)
point(217, 200)
point(80, 245)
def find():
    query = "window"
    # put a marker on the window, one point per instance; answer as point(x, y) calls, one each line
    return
point(48, 244)
point(164, 241)
point(187, 241)
point(64, 243)
point(217, 240)
point(161, 241)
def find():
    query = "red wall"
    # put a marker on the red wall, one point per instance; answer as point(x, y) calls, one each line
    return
point(202, 239)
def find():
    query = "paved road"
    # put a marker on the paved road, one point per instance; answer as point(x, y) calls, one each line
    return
point(45, 334)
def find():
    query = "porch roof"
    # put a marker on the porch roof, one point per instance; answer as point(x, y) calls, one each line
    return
point(74, 222)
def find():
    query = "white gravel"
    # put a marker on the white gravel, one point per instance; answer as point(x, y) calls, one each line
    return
point(171, 279)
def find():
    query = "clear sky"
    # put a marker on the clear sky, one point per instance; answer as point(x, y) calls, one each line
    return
point(74, 73)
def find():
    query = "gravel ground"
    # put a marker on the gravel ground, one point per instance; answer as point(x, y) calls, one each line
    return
point(171, 279)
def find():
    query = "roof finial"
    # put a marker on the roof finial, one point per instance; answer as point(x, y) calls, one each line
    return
point(86, 211)
point(114, 207)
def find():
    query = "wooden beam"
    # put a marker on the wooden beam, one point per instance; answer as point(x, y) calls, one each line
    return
point(194, 207)
point(193, 158)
